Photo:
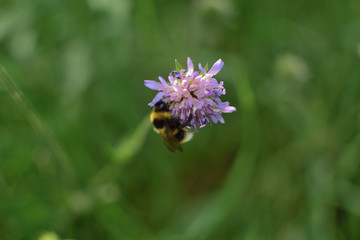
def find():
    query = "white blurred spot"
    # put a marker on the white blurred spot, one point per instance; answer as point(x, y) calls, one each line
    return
point(48, 236)
point(291, 66)
point(358, 49)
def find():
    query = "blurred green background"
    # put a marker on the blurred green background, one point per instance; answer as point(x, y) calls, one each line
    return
point(78, 159)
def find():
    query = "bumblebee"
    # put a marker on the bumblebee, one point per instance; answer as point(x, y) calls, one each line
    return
point(172, 132)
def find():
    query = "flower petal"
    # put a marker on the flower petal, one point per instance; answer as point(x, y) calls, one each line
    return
point(200, 93)
point(163, 82)
point(213, 118)
point(185, 84)
point(153, 85)
point(171, 78)
point(219, 117)
point(216, 67)
point(229, 109)
point(201, 68)
point(157, 98)
point(190, 66)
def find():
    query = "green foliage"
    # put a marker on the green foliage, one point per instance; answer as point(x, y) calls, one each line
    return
point(76, 159)
point(178, 66)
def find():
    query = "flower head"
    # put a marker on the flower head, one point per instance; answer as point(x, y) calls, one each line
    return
point(194, 97)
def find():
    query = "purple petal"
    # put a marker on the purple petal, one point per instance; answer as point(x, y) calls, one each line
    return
point(219, 117)
point(190, 66)
point(213, 118)
point(182, 116)
point(201, 68)
point(216, 67)
point(163, 82)
point(214, 82)
point(229, 109)
point(153, 85)
point(157, 98)
point(171, 78)
point(218, 101)
point(185, 84)
point(200, 93)
point(225, 106)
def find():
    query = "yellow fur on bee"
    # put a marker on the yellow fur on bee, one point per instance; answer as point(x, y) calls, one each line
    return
point(160, 115)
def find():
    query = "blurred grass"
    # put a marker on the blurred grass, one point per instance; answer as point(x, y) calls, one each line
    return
point(76, 161)
point(40, 126)
point(132, 143)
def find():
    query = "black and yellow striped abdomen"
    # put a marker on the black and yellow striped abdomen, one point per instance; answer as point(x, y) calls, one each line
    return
point(170, 129)
point(160, 119)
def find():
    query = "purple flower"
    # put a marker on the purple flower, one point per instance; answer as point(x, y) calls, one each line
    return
point(192, 95)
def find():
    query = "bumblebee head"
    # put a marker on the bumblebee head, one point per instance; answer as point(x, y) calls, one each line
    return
point(161, 106)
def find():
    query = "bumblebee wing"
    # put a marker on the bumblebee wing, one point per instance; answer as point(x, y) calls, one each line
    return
point(170, 142)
